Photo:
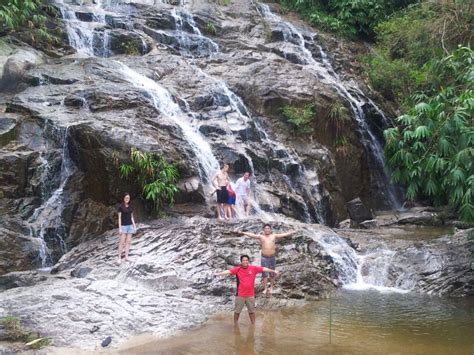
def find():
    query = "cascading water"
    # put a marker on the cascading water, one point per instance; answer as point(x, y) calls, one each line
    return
point(352, 268)
point(352, 95)
point(369, 270)
point(241, 119)
point(47, 223)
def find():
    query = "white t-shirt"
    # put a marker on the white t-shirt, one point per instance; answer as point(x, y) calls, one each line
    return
point(242, 187)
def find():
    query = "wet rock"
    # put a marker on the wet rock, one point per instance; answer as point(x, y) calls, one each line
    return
point(80, 271)
point(127, 42)
point(358, 211)
point(368, 224)
point(15, 66)
point(171, 260)
point(421, 217)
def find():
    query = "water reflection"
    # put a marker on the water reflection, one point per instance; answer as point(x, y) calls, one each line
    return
point(360, 323)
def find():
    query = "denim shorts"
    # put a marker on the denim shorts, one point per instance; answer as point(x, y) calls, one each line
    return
point(128, 229)
point(268, 262)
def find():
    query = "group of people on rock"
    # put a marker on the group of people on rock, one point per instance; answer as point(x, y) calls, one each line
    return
point(245, 273)
point(227, 197)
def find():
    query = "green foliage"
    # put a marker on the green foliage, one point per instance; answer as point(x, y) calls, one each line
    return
point(156, 177)
point(210, 28)
point(14, 331)
point(347, 17)
point(300, 118)
point(31, 14)
point(410, 39)
point(431, 151)
point(338, 116)
point(130, 48)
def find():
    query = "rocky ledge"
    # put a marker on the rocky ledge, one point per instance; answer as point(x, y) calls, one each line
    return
point(168, 285)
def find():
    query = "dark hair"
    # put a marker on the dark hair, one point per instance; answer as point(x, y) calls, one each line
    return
point(266, 225)
point(223, 165)
point(245, 172)
point(244, 256)
point(123, 197)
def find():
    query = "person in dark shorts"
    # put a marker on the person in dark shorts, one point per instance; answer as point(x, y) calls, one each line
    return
point(245, 296)
point(231, 211)
point(127, 227)
point(267, 241)
point(220, 181)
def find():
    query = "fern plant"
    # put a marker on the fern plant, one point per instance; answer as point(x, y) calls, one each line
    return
point(156, 177)
point(15, 14)
point(300, 118)
point(431, 151)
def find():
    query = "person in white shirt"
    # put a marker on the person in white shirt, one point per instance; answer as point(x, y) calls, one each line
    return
point(242, 190)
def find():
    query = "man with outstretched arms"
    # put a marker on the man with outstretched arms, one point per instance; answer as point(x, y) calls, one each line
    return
point(245, 295)
point(267, 241)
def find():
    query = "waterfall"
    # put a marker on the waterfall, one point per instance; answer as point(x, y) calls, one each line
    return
point(362, 271)
point(47, 223)
point(164, 103)
point(325, 72)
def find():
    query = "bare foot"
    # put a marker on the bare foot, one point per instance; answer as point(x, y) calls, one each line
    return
point(119, 261)
point(264, 292)
point(127, 259)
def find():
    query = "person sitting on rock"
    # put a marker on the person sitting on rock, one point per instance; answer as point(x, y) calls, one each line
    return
point(267, 242)
point(245, 295)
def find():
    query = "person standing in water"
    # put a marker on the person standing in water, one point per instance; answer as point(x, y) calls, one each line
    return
point(127, 227)
point(220, 181)
point(267, 241)
point(245, 295)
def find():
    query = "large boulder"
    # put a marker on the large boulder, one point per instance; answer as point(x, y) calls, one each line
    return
point(358, 212)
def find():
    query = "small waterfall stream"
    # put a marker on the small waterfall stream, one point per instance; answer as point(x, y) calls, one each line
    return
point(352, 95)
point(47, 222)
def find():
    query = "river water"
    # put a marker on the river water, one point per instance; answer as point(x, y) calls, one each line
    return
point(351, 322)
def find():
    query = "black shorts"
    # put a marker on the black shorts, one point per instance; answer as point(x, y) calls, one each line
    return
point(222, 195)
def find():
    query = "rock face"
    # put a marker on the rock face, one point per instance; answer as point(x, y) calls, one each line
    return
point(169, 284)
point(358, 212)
point(197, 85)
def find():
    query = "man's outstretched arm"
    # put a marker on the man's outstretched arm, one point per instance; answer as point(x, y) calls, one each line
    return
point(223, 273)
point(283, 235)
point(248, 234)
point(265, 269)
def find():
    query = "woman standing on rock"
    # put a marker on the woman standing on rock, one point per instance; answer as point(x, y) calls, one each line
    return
point(127, 227)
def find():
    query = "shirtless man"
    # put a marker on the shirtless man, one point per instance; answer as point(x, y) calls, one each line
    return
point(220, 181)
point(267, 241)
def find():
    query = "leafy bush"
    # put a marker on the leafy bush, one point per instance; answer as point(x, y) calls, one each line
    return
point(347, 17)
point(432, 150)
point(300, 118)
point(156, 177)
point(15, 14)
point(410, 39)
